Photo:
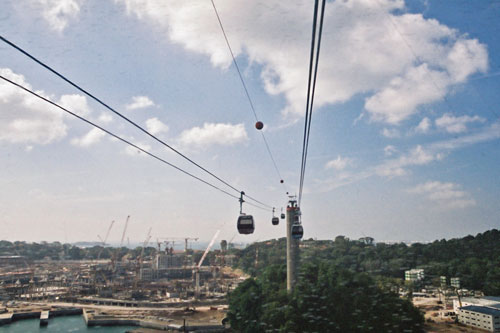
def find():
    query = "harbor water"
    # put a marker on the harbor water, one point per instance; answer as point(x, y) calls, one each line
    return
point(60, 324)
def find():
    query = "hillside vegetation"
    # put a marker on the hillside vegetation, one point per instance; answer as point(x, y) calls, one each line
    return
point(475, 259)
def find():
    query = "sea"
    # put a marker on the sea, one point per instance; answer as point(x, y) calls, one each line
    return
point(61, 324)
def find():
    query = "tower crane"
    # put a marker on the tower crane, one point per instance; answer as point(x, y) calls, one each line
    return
point(105, 239)
point(185, 239)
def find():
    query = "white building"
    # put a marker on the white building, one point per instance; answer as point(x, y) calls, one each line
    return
point(414, 275)
point(480, 317)
point(455, 282)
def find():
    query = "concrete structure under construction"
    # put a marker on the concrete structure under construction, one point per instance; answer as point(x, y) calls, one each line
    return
point(482, 317)
point(164, 261)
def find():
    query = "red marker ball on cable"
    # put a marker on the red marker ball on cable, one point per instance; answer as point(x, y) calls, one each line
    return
point(259, 125)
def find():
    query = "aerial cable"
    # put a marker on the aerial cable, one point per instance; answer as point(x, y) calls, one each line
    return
point(124, 117)
point(310, 93)
point(306, 119)
point(247, 93)
point(125, 141)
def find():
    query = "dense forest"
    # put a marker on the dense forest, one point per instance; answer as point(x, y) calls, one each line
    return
point(475, 260)
point(326, 299)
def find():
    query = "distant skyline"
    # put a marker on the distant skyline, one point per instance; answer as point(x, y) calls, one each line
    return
point(405, 131)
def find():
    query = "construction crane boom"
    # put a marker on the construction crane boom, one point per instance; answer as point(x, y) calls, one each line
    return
point(107, 233)
point(105, 239)
point(208, 248)
point(124, 231)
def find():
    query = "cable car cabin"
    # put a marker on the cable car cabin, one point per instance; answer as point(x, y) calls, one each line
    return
point(297, 231)
point(282, 216)
point(275, 221)
point(245, 224)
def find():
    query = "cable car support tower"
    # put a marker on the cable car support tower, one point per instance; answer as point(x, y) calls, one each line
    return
point(292, 244)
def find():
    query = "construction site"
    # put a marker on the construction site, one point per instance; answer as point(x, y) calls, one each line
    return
point(163, 289)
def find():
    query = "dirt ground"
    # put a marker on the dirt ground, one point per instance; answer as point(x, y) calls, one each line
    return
point(438, 314)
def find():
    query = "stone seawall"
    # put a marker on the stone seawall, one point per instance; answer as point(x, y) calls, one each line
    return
point(8, 318)
point(92, 319)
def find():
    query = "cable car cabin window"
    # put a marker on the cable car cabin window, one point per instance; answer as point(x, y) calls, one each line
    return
point(297, 231)
point(245, 224)
point(275, 221)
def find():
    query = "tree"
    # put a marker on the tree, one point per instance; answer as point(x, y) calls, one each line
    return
point(245, 307)
point(326, 299)
point(75, 253)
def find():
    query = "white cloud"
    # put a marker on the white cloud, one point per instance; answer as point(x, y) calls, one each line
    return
point(213, 134)
point(140, 102)
point(491, 132)
point(362, 51)
point(156, 126)
point(25, 118)
point(391, 133)
point(465, 58)
point(58, 13)
point(447, 195)
point(92, 137)
point(418, 155)
point(339, 163)
point(105, 118)
point(454, 124)
point(389, 150)
point(423, 126)
point(397, 167)
point(399, 99)
point(76, 104)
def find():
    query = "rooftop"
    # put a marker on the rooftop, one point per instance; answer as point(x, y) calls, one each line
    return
point(490, 301)
point(482, 309)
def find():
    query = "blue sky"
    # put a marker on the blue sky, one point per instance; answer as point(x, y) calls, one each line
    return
point(404, 139)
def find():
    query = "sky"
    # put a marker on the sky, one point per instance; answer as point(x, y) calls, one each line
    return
point(404, 136)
